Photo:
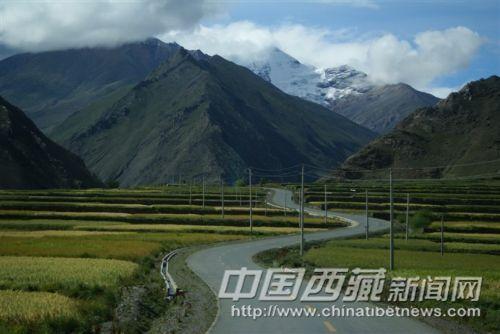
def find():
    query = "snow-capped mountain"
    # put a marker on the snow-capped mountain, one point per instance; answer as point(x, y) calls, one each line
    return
point(322, 86)
point(342, 89)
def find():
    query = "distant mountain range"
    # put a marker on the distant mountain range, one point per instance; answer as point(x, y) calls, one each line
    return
point(196, 115)
point(142, 112)
point(342, 89)
point(382, 107)
point(460, 133)
point(317, 85)
point(50, 86)
point(31, 160)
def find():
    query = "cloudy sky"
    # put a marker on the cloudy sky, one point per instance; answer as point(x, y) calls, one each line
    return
point(436, 46)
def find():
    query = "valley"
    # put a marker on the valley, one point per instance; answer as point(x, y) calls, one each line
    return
point(138, 175)
point(75, 260)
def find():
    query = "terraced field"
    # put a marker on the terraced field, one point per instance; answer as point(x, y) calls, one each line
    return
point(65, 255)
point(455, 200)
point(471, 213)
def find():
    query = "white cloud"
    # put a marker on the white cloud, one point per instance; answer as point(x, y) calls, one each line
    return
point(386, 58)
point(354, 3)
point(52, 24)
point(38, 25)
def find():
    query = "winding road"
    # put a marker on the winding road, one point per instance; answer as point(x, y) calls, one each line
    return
point(211, 263)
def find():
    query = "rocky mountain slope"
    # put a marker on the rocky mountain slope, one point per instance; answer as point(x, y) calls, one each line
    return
point(342, 89)
point(31, 160)
point(197, 115)
point(460, 133)
point(321, 86)
point(382, 107)
point(50, 86)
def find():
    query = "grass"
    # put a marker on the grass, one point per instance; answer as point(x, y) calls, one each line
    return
point(64, 206)
point(55, 233)
point(413, 263)
point(191, 228)
point(51, 274)
point(66, 255)
point(418, 245)
point(413, 258)
point(472, 235)
point(413, 207)
point(462, 237)
point(339, 256)
point(191, 219)
point(475, 201)
point(466, 227)
point(48, 224)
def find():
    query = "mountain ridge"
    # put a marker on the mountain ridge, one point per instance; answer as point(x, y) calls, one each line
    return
point(459, 130)
point(52, 85)
point(208, 116)
point(31, 160)
point(382, 107)
point(342, 89)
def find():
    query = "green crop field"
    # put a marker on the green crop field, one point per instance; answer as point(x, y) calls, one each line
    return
point(471, 213)
point(230, 218)
point(73, 250)
point(192, 228)
point(420, 258)
point(66, 254)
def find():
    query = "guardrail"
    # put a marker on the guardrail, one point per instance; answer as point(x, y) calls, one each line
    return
point(170, 284)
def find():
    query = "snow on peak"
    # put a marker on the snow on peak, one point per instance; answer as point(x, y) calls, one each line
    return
point(322, 86)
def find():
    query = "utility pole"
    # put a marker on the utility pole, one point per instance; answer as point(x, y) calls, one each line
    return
point(442, 235)
point(407, 215)
point(326, 208)
point(284, 210)
point(191, 192)
point(222, 195)
point(203, 192)
point(265, 204)
point(367, 229)
point(391, 231)
point(302, 213)
point(250, 197)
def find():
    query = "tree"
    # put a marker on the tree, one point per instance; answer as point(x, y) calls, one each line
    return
point(421, 220)
point(262, 181)
point(112, 183)
point(240, 183)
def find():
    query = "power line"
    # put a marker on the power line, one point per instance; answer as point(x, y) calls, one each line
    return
point(288, 174)
point(477, 163)
point(333, 173)
point(275, 170)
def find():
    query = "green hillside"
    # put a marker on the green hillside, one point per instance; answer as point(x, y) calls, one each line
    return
point(197, 114)
point(383, 107)
point(31, 160)
point(50, 86)
point(458, 135)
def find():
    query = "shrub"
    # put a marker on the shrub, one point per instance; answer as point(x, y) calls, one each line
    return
point(112, 184)
point(421, 220)
point(240, 183)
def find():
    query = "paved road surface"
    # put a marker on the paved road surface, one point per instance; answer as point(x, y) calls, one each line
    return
point(210, 264)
